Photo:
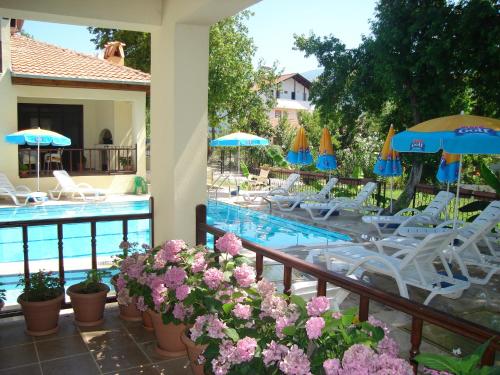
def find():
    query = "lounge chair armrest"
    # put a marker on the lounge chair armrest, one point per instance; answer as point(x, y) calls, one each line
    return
point(413, 218)
point(23, 189)
point(405, 210)
point(84, 185)
point(278, 190)
point(446, 223)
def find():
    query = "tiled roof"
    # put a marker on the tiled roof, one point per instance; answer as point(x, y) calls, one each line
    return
point(35, 59)
point(298, 77)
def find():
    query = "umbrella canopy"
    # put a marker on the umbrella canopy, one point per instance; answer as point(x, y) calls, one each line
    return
point(448, 168)
point(239, 139)
point(38, 137)
point(388, 163)
point(300, 153)
point(35, 137)
point(459, 134)
point(326, 158)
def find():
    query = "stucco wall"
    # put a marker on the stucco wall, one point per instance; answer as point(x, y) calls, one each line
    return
point(122, 112)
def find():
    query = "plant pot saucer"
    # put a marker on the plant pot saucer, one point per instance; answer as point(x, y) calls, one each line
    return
point(42, 333)
point(168, 354)
point(89, 324)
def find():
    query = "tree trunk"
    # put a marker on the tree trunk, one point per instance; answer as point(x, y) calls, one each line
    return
point(212, 137)
point(417, 166)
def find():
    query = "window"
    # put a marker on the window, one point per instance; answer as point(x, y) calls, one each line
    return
point(293, 95)
point(305, 97)
point(277, 114)
point(277, 94)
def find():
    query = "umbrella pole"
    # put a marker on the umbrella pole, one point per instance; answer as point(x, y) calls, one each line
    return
point(391, 194)
point(447, 190)
point(38, 168)
point(455, 215)
point(238, 160)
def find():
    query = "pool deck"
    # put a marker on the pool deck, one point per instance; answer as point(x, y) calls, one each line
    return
point(479, 303)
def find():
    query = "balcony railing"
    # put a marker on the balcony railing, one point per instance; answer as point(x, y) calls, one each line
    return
point(97, 160)
point(419, 313)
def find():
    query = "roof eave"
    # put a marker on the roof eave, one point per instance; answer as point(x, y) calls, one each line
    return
point(80, 79)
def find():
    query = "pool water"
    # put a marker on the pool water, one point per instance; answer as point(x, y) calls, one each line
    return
point(258, 227)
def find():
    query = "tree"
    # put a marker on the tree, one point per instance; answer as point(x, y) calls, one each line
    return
point(415, 65)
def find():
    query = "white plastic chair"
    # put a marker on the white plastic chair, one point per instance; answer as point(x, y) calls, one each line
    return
point(282, 190)
point(66, 185)
point(14, 192)
point(290, 202)
point(53, 158)
point(411, 265)
point(429, 216)
point(354, 204)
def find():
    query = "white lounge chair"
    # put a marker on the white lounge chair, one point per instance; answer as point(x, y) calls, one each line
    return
point(429, 216)
point(411, 265)
point(290, 202)
point(281, 190)
point(67, 186)
point(16, 193)
point(354, 204)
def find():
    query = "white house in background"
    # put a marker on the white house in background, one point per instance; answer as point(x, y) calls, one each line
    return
point(292, 95)
point(97, 102)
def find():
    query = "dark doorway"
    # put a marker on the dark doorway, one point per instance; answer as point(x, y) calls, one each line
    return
point(63, 119)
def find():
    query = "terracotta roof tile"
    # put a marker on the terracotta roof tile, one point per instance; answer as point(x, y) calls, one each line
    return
point(35, 58)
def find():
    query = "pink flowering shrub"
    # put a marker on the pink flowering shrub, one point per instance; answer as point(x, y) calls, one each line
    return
point(262, 332)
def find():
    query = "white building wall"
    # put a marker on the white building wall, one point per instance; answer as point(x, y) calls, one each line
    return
point(290, 85)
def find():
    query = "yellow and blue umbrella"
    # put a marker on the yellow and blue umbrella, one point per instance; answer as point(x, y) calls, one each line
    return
point(448, 168)
point(388, 163)
point(326, 158)
point(458, 134)
point(300, 153)
point(38, 137)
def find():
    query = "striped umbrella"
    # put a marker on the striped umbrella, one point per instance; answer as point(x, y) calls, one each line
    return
point(388, 163)
point(300, 153)
point(326, 157)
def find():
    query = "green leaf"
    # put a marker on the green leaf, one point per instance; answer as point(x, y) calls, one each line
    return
point(439, 362)
point(299, 301)
point(229, 266)
point(232, 334)
point(290, 330)
point(490, 178)
point(227, 307)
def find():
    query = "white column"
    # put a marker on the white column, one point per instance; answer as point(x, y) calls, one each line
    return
point(179, 101)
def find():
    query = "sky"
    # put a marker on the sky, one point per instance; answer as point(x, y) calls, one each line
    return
point(272, 28)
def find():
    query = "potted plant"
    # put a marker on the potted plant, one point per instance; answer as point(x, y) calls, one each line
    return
point(268, 333)
point(41, 302)
point(23, 170)
point(88, 298)
point(125, 162)
point(129, 264)
point(2, 297)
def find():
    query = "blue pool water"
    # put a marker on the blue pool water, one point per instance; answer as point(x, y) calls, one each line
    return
point(258, 227)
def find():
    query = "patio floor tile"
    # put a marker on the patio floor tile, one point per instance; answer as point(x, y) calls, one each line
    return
point(82, 364)
point(59, 348)
point(17, 356)
point(178, 366)
point(24, 370)
point(101, 340)
point(141, 370)
point(13, 334)
point(120, 358)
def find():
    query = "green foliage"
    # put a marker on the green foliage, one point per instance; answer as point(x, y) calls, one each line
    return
point(490, 178)
point(283, 134)
point(2, 293)
point(23, 167)
point(244, 169)
point(41, 286)
point(276, 157)
point(458, 366)
point(92, 282)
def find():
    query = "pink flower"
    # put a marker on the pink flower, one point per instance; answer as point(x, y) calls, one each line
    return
point(388, 346)
point(265, 288)
point(182, 292)
point(295, 362)
point(336, 315)
point(213, 278)
point(158, 291)
point(199, 263)
point(229, 243)
point(244, 275)
point(242, 311)
point(175, 277)
point(197, 329)
point(314, 326)
point(273, 353)
point(120, 283)
point(282, 322)
point(140, 304)
point(181, 312)
point(172, 249)
point(332, 366)
point(317, 306)
point(274, 307)
point(245, 349)
point(215, 327)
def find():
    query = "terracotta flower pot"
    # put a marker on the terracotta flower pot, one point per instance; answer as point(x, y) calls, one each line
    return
point(41, 317)
point(147, 322)
point(129, 312)
point(194, 352)
point(2, 304)
point(168, 337)
point(88, 307)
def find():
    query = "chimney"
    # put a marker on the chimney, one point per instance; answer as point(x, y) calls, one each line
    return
point(16, 25)
point(113, 52)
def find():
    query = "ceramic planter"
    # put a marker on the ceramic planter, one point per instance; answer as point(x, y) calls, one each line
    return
point(129, 312)
point(88, 307)
point(168, 337)
point(194, 351)
point(41, 317)
point(2, 304)
point(147, 322)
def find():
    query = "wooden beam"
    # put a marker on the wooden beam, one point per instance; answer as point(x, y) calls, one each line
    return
point(79, 84)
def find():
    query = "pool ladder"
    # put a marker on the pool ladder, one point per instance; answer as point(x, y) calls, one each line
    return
point(217, 184)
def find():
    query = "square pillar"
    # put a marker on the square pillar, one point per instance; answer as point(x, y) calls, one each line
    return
point(179, 105)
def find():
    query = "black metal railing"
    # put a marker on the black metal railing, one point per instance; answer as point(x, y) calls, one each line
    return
point(419, 313)
point(60, 223)
point(104, 160)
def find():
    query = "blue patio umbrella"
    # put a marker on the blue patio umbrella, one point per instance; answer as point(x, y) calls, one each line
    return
point(448, 168)
point(38, 137)
point(239, 139)
point(326, 157)
point(458, 134)
point(388, 163)
point(300, 153)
